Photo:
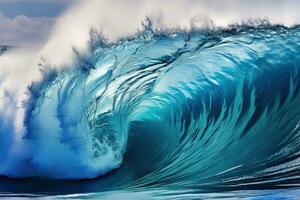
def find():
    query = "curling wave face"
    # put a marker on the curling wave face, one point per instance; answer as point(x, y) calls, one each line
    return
point(198, 110)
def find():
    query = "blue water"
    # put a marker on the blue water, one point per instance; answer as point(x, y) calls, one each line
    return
point(204, 114)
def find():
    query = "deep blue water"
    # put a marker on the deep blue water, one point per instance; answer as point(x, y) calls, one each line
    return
point(205, 114)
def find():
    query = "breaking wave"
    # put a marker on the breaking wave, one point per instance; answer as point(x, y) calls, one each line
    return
point(196, 110)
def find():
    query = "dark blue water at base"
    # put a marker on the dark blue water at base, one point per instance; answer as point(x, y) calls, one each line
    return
point(41, 188)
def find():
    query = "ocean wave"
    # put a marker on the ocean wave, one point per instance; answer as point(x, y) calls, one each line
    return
point(197, 110)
